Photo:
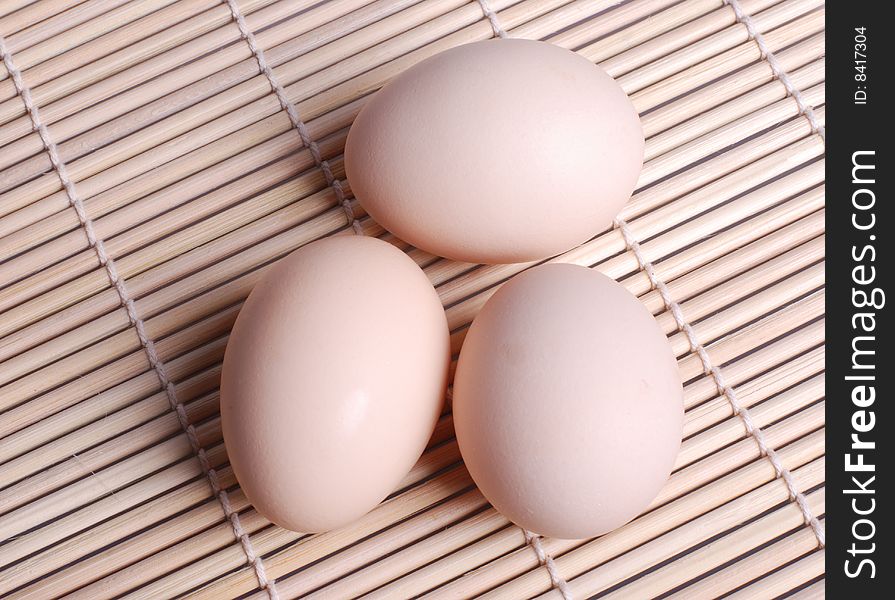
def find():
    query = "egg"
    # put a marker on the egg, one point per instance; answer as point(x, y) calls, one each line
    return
point(499, 151)
point(567, 402)
point(333, 380)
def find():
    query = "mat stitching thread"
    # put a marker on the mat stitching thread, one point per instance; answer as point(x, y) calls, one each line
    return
point(779, 72)
point(531, 538)
point(723, 388)
point(489, 13)
point(303, 132)
point(118, 283)
point(534, 540)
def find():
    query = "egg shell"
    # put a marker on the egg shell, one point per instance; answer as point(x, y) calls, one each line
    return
point(567, 402)
point(333, 380)
point(497, 151)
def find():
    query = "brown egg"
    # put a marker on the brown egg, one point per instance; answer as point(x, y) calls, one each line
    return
point(333, 381)
point(567, 402)
point(498, 151)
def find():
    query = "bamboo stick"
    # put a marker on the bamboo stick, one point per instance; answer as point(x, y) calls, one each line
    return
point(98, 419)
point(437, 532)
point(744, 570)
point(778, 378)
point(766, 245)
point(395, 565)
point(152, 433)
point(97, 485)
point(42, 352)
point(752, 447)
point(9, 7)
point(706, 144)
point(434, 460)
point(794, 344)
point(807, 29)
point(768, 95)
point(789, 577)
point(90, 462)
point(62, 43)
point(156, 538)
point(106, 507)
point(766, 411)
point(759, 276)
point(652, 223)
point(378, 573)
point(283, 124)
point(22, 442)
point(664, 43)
point(730, 214)
point(40, 381)
point(791, 317)
point(47, 456)
point(55, 183)
point(583, 580)
point(116, 152)
point(738, 264)
point(513, 560)
point(116, 50)
point(808, 416)
point(55, 22)
point(641, 19)
point(226, 80)
point(482, 579)
point(206, 511)
point(69, 217)
point(117, 223)
point(134, 284)
point(725, 41)
point(273, 210)
point(195, 521)
point(149, 114)
point(217, 434)
point(758, 497)
point(692, 450)
point(560, 17)
point(730, 239)
point(18, 496)
point(729, 85)
point(748, 152)
point(231, 65)
point(469, 561)
point(97, 355)
point(771, 367)
point(739, 314)
point(328, 98)
point(717, 552)
point(121, 339)
point(103, 430)
point(707, 180)
point(815, 591)
point(73, 438)
point(310, 548)
point(16, 291)
point(129, 377)
point(162, 345)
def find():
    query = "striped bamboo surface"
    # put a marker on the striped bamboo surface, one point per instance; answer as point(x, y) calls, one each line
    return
point(157, 176)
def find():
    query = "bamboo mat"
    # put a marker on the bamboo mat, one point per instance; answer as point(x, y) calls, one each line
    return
point(185, 179)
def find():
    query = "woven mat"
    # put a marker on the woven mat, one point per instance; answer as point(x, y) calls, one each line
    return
point(157, 156)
